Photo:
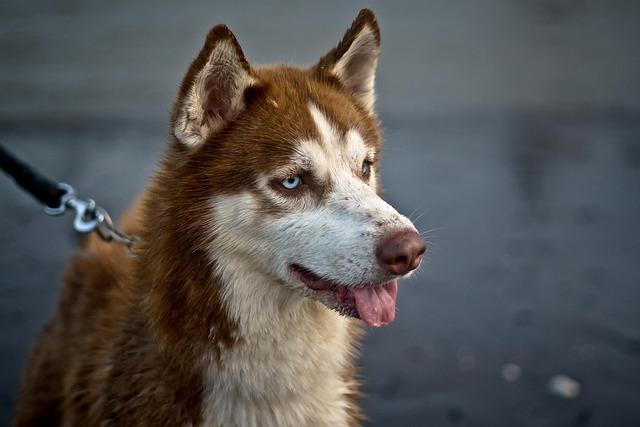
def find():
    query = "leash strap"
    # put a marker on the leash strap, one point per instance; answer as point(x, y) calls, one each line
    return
point(60, 197)
point(43, 189)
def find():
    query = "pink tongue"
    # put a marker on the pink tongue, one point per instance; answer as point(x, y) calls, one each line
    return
point(377, 306)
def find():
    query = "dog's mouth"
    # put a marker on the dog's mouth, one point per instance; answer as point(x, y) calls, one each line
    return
point(375, 304)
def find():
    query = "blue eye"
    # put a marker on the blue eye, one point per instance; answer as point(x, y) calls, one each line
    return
point(292, 182)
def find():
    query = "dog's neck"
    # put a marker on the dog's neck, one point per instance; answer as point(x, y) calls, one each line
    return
point(291, 352)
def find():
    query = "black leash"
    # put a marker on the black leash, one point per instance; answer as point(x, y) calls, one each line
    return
point(43, 189)
point(58, 197)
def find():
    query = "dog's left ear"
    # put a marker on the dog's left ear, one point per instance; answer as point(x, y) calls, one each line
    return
point(355, 59)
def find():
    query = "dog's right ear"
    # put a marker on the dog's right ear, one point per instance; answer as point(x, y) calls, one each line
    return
point(212, 91)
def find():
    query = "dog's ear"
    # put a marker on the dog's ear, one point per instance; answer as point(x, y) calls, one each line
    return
point(212, 91)
point(355, 59)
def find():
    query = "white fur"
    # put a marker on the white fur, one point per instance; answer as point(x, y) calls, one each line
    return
point(355, 149)
point(328, 134)
point(285, 371)
point(313, 155)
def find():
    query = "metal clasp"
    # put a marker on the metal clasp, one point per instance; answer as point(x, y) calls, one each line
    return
point(89, 217)
point(85, 220)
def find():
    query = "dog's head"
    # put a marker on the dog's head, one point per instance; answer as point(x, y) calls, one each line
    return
point(284, 164)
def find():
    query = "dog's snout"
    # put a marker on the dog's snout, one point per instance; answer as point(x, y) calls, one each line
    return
point(400, 252)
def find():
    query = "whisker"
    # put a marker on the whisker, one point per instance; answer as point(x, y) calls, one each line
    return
point(412, 213)
point(423, 213)
point(426, 211)
point(431, 230)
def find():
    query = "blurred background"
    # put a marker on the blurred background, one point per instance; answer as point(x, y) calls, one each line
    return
point(512, 138)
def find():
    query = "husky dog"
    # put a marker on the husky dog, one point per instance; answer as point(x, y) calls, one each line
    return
point(263, 245)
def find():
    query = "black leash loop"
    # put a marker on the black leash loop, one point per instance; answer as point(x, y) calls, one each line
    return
point(60, 197)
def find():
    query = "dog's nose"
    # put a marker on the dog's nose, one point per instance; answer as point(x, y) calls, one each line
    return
point(401, 251)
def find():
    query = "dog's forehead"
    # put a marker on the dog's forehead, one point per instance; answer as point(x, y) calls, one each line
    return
point(303, 107)
point(333, 145)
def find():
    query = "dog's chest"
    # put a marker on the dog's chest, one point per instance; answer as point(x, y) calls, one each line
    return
point(292, 377)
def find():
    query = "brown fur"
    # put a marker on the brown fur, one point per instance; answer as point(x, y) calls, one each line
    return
point(130, 340)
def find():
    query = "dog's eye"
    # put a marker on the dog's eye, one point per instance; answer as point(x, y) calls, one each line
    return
point(366, 168)
point(292, 182)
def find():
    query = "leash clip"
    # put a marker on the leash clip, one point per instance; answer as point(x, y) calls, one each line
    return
point(86, 220)
point(89, 217)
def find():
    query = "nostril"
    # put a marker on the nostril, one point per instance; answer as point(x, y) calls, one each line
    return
point(401, 260)
point(422, 250)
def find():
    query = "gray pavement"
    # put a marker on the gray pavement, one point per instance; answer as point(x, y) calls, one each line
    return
point(512, 135)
